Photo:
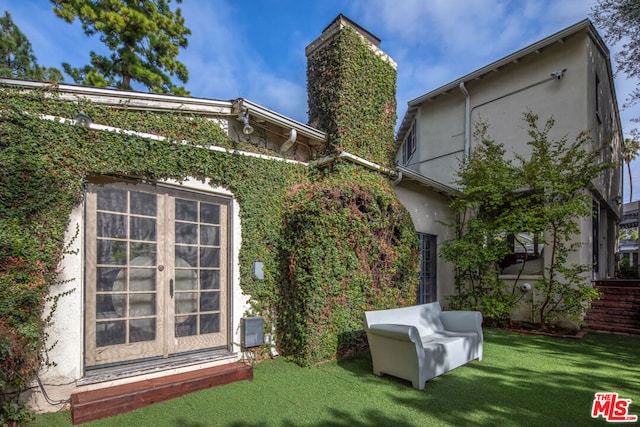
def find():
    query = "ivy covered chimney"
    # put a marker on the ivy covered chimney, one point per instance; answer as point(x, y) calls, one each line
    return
point(348, 243)
point(351, 85)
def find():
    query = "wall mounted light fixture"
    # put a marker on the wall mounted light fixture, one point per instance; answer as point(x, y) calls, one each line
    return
point(83, 120)
point(244, 118)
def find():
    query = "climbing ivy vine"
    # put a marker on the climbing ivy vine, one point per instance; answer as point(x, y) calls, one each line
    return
point(352, 94)
point(335, 241)
point(44, 166)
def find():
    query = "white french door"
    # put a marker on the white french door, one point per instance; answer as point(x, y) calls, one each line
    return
point(156, 272)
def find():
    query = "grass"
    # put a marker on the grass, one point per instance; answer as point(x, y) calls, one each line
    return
point(523, 380)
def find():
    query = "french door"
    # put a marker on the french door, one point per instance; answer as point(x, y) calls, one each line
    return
point(156, 272)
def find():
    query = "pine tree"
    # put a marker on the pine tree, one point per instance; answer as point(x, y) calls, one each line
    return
point(144, 36)
point(18, 60)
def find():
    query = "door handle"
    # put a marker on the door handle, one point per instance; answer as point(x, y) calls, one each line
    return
point(171, 288)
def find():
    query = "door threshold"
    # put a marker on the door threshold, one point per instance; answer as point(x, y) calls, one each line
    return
point(145, 367)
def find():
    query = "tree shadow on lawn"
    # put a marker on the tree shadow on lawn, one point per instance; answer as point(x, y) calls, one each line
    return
point(522, 380)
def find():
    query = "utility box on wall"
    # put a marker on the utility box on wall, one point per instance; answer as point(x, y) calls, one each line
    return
point(252, 331)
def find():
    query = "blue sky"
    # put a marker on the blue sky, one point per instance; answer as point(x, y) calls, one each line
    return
point(255, 49)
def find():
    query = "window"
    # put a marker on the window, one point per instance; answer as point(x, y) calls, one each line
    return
point(427, 290)
point(156, 272)
point(409, 145)
point(526, 256)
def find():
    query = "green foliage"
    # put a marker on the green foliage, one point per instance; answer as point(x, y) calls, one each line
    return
point(144, 36)
point(626, 270)
point(332, 245)
point(43, 168)
point(621, 21)
point(629, 154)
point(489, 183)
point(366, 242)
point(18, 60)
point(352, 97)
point(349, 246)
point(546, 193)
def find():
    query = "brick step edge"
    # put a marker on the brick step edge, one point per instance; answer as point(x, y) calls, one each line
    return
point(629, 315)
point(606, 327)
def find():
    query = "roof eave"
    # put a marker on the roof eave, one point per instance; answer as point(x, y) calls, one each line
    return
point(129, 99)
point(514, 57)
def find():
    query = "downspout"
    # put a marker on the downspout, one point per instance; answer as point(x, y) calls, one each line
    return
point(467, 120)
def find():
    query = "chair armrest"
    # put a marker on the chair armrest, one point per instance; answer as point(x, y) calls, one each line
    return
point(397, 332)
point(462, 321)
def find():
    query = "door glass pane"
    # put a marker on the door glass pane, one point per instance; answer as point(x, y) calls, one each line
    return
point(209, 213)
point(187, 255)
point(143, 229)
point(112, 225)
point(142, 305)
point(142, 330)
point(111, 199)
point(110, 333)
point(186, 302)
point(112, 252)
point(142, 253)
point(186, 326)
point(209, 323)
point(186, 280)
point(105, 277)
point(186, 233)
point(186, 210)
point(209, 279)
point(209, 235)
point(143, 204)
point(209, 257)
point(142, 279)
point(110, 306)
point(209, 301)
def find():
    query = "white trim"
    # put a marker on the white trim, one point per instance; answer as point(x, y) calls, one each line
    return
point(154, 137)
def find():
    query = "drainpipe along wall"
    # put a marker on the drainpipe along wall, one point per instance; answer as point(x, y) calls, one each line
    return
point(467, 120)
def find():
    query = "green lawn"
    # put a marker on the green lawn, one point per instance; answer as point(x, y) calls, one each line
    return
point(523, 380)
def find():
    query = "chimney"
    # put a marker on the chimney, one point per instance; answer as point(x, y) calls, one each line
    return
point(351, 85)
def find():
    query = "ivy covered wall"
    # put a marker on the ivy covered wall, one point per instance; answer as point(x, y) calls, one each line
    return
point(334, 240)
point(349, 245)
point(44, 165)
point(352, 97)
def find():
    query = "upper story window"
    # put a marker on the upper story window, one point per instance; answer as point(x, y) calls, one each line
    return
point(409, 145)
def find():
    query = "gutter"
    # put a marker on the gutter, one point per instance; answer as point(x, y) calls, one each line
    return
point(357, 160)
point(427, 182)
point(259, 111)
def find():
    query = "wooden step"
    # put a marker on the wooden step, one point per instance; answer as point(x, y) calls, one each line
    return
point(101, 403)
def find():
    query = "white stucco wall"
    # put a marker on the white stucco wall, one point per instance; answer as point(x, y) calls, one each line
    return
point(66, 329)
point(429, 210)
